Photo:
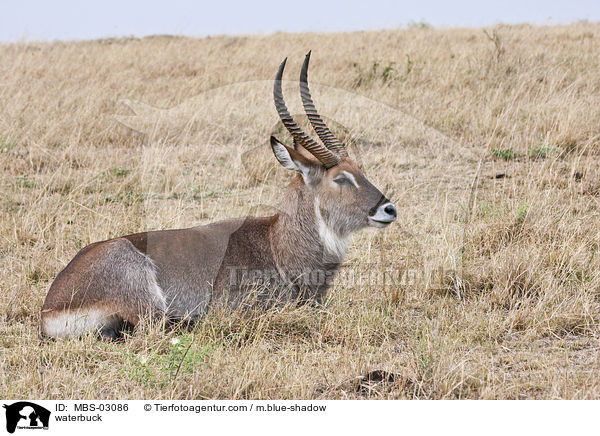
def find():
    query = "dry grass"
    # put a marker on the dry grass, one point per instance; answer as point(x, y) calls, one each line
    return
point(492, 283)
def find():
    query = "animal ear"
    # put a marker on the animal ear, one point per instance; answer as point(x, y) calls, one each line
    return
point(283, 154)
point(292, 160)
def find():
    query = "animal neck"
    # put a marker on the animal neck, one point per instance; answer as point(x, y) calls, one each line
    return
point(302, 237)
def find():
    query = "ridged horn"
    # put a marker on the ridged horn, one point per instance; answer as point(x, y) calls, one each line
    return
point(328, 138)
point(323, 154)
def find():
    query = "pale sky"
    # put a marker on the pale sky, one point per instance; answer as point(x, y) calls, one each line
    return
point(32, 20)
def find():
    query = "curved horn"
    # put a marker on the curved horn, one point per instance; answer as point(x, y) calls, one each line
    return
point(328, 138)
point(323, 154)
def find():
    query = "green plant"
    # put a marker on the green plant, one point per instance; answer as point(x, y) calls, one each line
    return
point(198, 193)
point(185, 355)
point(24, 182)
point(491, 210)
point(127, 197)
point(419, 25)
point(158, 368)
point(7, 144)
point(521, 214)
point(505, 154)
point(119, 172)
point(543, 150)
point(378, 72)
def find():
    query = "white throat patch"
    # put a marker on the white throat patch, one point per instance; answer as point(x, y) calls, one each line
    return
point(334, 244)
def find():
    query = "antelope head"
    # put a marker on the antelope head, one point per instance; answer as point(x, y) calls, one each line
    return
point(344, 199)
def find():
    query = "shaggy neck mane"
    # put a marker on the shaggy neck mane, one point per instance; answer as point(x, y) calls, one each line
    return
point(302, 238)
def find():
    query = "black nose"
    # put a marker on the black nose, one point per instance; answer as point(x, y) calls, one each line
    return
point(390, 209)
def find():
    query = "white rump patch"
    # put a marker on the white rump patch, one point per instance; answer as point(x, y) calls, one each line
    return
point(152, 286)
point(143, 278)
point(76, 323)
point(334, 244)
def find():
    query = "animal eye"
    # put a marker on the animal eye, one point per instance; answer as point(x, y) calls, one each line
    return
point(341, 181)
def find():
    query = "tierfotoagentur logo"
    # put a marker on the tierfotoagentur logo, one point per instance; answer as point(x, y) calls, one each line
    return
point(26, 415)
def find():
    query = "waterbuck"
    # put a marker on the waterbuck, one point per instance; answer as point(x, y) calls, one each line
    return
point(179, 274)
